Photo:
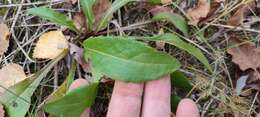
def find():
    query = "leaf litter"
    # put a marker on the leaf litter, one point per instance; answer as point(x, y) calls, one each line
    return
point(4, 38)
point(10, 75)
point(200, 11)
point(241, 12)
point(246, 55)
point(50, 45)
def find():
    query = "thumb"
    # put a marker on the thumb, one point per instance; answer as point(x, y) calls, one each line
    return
point(187, 108)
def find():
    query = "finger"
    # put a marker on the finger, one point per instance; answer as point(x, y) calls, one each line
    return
point(157, 98)
point(126, 100)
point(77, 83)
point(187, 108)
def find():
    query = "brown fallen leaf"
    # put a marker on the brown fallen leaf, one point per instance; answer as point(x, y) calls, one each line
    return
point(4, 38)
point(79, 21)
point(199, 12)
point(246, 56)
point(50, 45)
point(10, 75)
point(2, 112)
point(238, 17)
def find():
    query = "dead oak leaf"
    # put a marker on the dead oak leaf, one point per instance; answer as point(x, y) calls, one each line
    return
point(2, 112)
point(200, 11)
point(50, 45)
point(246, 56)
point(241, 12)
point(10, 75)
point(4, 40)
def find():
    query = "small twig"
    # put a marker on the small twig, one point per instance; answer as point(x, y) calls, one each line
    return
point(235, 28)
point(255, 98)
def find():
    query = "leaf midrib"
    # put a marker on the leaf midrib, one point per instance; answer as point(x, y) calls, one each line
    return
point(125, 60)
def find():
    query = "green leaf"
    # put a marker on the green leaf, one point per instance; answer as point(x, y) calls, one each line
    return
point(175, 100)
point(53, 16)
point(123, 59)
point(176, 41)
point(74, 102)
point(117, 4)
point(17, 99)
point(155, 1)
point(177, 20)
point(87, 9)
point(179, 80)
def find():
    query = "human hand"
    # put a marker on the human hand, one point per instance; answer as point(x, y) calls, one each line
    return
point(150, 99)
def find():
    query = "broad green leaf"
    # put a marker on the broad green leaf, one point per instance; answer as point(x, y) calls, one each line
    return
point(176, 41)
point(117, 4)
point(125, 59)
point(177, 20)
point(53, 16)
point(17, 99)
point(74, 102)
point(175, 100)
point(87, 9)
point(179, 80)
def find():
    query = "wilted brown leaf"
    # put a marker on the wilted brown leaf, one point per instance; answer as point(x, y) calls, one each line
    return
point(100, 7)
point(79, 21)
point(199, 12)
point(238, 17)
point(50, 45)
point(2, 112)
point(4, 40)
point(246, 56)
point(10, 75)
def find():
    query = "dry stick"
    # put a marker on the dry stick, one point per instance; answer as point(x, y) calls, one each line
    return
point(28, 4)
point(206, 108)
point(235, 28)
point(130, 27)
point(13, 34)
point(55, 80)
point(249, 112)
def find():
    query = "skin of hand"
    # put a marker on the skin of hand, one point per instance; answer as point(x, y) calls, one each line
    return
point(150, 99)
